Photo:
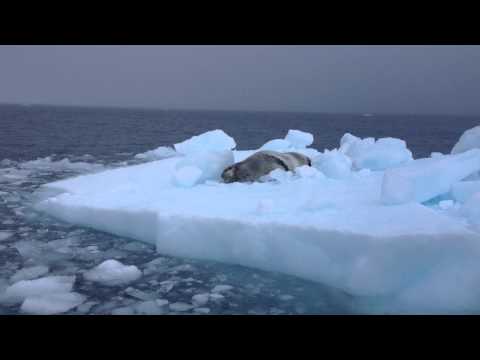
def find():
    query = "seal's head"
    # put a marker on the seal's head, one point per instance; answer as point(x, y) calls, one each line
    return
point(240, 172)
point(228, 174)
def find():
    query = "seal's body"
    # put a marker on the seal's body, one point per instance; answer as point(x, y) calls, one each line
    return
point(262, 163)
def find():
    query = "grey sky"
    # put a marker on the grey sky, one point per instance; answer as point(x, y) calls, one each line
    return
point(340, 79)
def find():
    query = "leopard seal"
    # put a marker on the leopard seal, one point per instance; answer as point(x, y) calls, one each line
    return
point(262, 163)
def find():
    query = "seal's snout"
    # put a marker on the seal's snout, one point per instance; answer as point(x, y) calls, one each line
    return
point(228, 175)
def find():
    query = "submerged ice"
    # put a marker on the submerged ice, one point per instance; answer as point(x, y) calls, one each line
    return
point(367, 218)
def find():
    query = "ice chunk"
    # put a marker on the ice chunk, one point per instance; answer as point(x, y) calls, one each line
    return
point(150, 307)
point(126, 310)
point(299, 139)
point(222, 288)
point(470, 139)
point(49, 304)
point(217, 297)
point(334, 164)
point(113, 273)
point(376, 155)
point(39, 287)
point(159, 153)
point(463, 190)
point(202, 310)
point(347, 139)
point(29, 273)
point(162, 302)
point(210, 163)
point(277, 145)
point(425, 179)
point(138, 294)
point(180, 307)
point(188, 176)
point(85, 307)
point(65, 164)
point(5, 235)
point(200, 299)
point(215, 140)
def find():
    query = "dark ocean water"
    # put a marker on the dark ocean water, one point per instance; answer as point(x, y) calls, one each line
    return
point(105, 138)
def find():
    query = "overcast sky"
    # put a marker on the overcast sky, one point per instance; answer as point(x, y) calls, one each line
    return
point(339, 79)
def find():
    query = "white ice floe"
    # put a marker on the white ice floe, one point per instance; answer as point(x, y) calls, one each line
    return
point(112, 273)
point(22, 289)
point(65, 164)
point(200, 299)
point(29, 273)
point(51, 303)
point(5, 235)
point(379, 231)
point(221, 288)
point(180, 307)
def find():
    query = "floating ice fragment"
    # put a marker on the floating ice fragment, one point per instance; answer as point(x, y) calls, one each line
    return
point(200, 299)
point(38, 287)
point(149, 308)
point(5, 235)
point(112, 273)
point(162, 302)
point(29, 273)
point(217, 297)
point(222, 288)
point(202, 310)
point(180, 307)
point(126, 310)
point(138, 294)
point(50, 304)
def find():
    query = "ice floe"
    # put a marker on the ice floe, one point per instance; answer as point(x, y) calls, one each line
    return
point(367, 218)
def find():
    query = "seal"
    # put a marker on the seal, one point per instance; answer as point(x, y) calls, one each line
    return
point(262, 163)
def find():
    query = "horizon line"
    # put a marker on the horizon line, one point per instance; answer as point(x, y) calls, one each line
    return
point(166, 109)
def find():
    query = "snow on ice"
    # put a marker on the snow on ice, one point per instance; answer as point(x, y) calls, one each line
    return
point(367, 218)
